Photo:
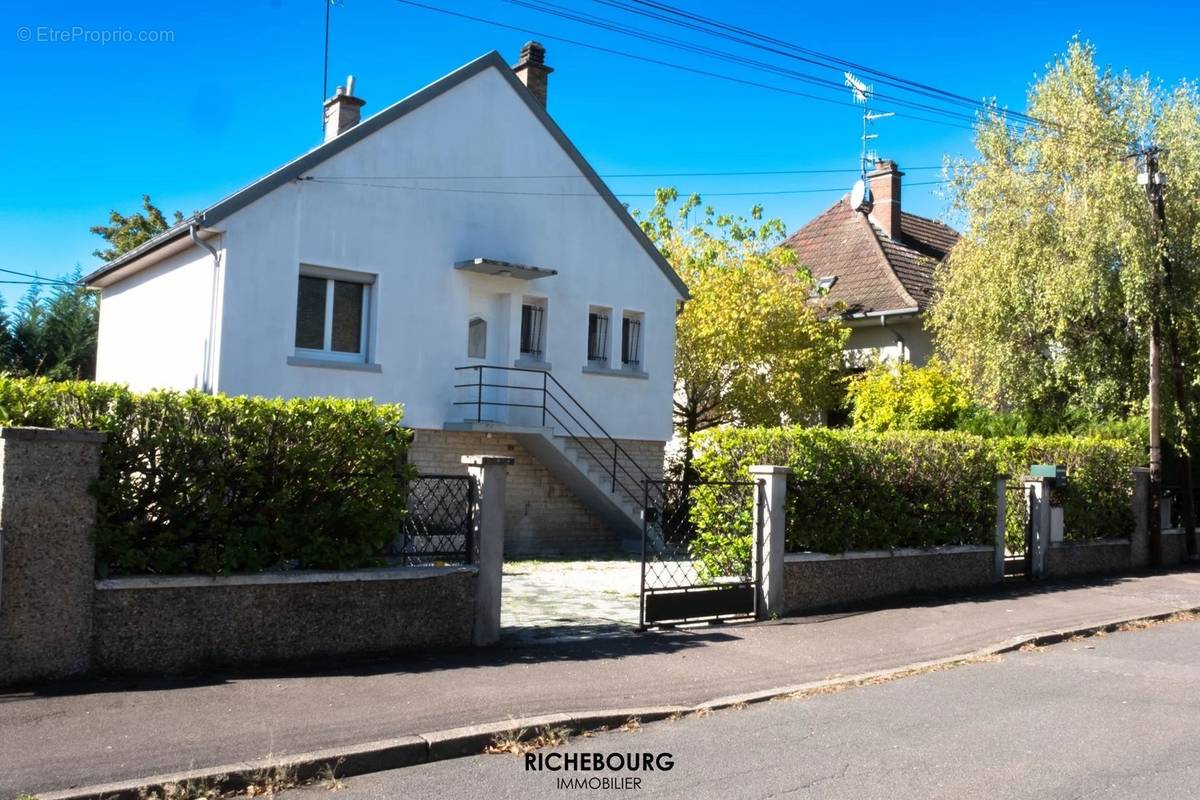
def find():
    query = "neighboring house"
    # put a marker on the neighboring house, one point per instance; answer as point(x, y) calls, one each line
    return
point(442, 253)
point(880, 265)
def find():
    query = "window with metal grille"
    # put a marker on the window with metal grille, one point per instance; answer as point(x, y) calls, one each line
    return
point(631, 341)
point(533, 318)
point(597, 337)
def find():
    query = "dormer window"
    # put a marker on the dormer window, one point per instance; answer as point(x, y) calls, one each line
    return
point(822, 286)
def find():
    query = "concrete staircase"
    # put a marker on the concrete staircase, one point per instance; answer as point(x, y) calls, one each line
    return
point(591, 481)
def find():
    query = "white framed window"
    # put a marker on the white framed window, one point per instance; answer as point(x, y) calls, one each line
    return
point(631, 340)
point(333, 310)
point(598, 335)
point(533, 328)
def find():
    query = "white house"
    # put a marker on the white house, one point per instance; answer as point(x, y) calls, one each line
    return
point(443, 253)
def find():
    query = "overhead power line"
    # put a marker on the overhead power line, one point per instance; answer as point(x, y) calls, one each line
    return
point(659, 62)
point(375, 183)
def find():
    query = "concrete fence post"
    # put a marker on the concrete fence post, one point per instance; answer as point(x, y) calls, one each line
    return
point(1001, 525)
point(770, 525)
point(47, 556)
point(491, 475)
point(1038, 491)
point(1139, 543)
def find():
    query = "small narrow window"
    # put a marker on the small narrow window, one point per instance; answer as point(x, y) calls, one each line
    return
point(331, 317)
point(597, 351)
point(477, 338)
point(533, 323)
point(631, 341)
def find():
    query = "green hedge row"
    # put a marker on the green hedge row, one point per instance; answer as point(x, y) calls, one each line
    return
point(853, 490)
point(191, 483)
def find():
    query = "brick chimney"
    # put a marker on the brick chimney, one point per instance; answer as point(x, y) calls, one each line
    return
point(885, 187)
point(532, 71)
point(342, 111)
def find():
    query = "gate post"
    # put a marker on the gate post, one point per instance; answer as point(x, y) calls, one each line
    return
point(770, 538)
point(1039, 521)
point(491, 474)
point(1001, 524)
point(1139, 543)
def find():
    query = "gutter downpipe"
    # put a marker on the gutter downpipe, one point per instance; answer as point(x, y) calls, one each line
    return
point(212, 307)
point(899, 339)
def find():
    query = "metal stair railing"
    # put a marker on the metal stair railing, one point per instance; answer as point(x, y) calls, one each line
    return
point(557, 405)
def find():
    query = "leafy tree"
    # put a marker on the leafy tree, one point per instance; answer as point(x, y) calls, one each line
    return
point(750, 347)
point(1046, 304)
point(126, 232)
point(899, 396)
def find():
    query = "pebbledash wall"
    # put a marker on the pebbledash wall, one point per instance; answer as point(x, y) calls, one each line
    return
point(57, 620)
point(542, 515)
point(818, 581)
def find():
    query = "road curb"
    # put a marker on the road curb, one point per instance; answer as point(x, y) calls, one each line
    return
point(407, 751)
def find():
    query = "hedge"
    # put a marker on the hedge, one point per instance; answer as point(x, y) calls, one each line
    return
point(1097, 502)
point(192, 483)
point(854, 490)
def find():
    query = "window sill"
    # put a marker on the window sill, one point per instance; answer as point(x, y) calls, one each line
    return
point(329, 363)
point(529, 363)
point(616, 373)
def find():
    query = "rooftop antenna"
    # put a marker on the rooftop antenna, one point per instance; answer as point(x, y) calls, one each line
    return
point(860, 195)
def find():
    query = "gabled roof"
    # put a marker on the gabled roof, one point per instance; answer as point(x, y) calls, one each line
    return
point(296, 168)
point(874, 271)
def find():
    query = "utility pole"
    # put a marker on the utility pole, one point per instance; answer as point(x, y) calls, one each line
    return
point(1154, 182)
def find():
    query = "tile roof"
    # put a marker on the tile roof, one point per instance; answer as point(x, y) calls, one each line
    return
point(874, 272)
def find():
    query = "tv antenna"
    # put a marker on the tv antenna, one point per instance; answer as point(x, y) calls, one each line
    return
point(860, 195)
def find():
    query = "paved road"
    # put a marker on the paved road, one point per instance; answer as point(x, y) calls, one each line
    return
point(1105, 717)
point(95, 731)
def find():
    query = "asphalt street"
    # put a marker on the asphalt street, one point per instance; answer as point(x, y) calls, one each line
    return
point(1111, 716)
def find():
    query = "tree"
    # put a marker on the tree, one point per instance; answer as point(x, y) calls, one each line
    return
point(750, 347)
point(54, 336)
point(1047, 302)
point(126, 232)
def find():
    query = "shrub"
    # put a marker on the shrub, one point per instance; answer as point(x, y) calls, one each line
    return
point(857, 490)
point(1097, 503)
point(853, 490)
point(195, 483)
point(899, 396)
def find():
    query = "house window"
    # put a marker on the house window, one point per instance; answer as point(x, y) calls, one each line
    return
point(597, 343)
point(331, 317)
point(477, 338)
point(533, 329)
point(631, 341)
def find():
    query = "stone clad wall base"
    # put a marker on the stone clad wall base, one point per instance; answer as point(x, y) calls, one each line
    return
point(542, 516)
point(1067, 559)
point(192, 623)
point(47, 559)
point(815, 581)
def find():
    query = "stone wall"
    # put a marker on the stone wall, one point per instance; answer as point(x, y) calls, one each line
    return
point(189, 623)
point(46, 553)
point(1067, 559)
point(542, 516)
point(815, 581)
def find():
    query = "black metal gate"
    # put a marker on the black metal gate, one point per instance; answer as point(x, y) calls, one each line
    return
point(439, 523)
point(1018, 532)
point(699, 545)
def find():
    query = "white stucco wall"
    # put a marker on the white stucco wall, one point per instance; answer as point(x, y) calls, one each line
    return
point(410, 239)
point(154, 325)
point(868, 342)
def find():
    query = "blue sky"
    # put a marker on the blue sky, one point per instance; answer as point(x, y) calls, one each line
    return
point(233, 93)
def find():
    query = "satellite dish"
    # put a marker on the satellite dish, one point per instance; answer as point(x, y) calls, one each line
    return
point(860, 197)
